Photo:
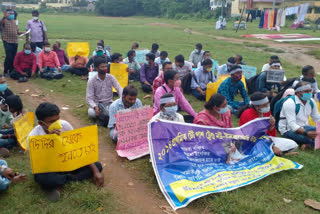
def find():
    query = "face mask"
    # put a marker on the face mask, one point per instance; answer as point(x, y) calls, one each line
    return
point(55, 125)
point(3, 87)
point(265, 109)
point(35, 18)
point(99, 53)
point(134, 58)
point(27, 52)
point(306, 96)
point(11, 17)
point(172, 110)
point(209, 69)
point(102, 71)
point(6, 113)
point(223, 110)
point(46, 49)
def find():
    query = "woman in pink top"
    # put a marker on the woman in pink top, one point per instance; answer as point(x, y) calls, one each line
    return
point(216, 113)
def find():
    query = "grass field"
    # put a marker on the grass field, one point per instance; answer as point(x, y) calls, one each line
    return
point(265, 196)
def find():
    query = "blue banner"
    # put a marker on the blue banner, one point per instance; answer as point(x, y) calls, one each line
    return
point(191, 161)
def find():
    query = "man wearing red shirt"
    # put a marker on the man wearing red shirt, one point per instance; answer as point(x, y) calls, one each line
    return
point(25, 64)
point(48, 60)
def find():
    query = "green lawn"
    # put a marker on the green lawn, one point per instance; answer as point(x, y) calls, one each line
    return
point(265, 196)
point(315, 53)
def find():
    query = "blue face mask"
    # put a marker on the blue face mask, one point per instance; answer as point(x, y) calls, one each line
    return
point(27, 52)
point(306, 96)
point(3, 87)
point(265, 109)
point(171, 110)
point(11, 17)
point(223, 110)
point(134, 58)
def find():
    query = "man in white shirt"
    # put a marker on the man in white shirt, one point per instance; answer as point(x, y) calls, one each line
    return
point(294, 116)
point(266, 67)
point(225, 69)
point(308, 72)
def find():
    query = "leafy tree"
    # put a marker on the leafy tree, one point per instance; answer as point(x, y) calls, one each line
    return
point(117, 8)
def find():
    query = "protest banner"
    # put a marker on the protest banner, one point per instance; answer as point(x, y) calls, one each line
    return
point(65, 152)
point(248, 71)
point(191, 161)
point(133, 132)
point(22, 127)
point(80, 48)
point(119, 71)
point(275, 76)
point(141, 55)
point(317, 140)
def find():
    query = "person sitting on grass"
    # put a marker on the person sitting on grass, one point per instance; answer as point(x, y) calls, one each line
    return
point(135, 46)
point(25, 64)
point(202, 76)
point(170, 78)
point(239, 59)
point(168, 109)
point(115, 58)
point(294, 125)
point(260, 107)
point(266, 67)
point(99, 53)
point(47, 114)
point(181, 66)
point(8, 176)
point(133, 66)
point(162, 59)
point(63, 59)
point(4, 90)
point(128, 100)
point(99, 92)
point(48, 60)
point(216, 113)
point(154, 50)
point(148, 72)
point(36, 51)
point(230, 87)
point(261, 82)
point(308, 72)
point(159, 80)
point(225, 69)
point(78, 66)
point(9, 108)
point(196, 55)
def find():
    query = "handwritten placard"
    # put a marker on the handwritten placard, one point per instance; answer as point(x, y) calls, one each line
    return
point(67, 152)
point(317, 140)
point(141, 55)
point(248, 71)
point(22, 127)
point(133, 132)
point(275, 76)
point(119, 71)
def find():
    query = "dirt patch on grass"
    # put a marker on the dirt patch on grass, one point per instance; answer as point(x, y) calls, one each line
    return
point(160, 24)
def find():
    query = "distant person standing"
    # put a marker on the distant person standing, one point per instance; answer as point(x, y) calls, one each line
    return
point(10, 39)
point(38, 30)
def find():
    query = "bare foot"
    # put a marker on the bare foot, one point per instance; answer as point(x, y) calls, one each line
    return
point(147, 96)
point(304, 147)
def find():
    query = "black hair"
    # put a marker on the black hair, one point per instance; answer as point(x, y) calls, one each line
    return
point(102, 42)
point(235, 67)
point(99, 60)
point(240, 57)
point(151, 56)
point(301, 83)
point(15, 15)
point(275, 61)
point(130, 90)
point(165, 96)
point(166, 63)
point(169, 75)
point(24, 45)
point(207, 62)
point(46, 109)
point(35, 12)
point(131, 53)
point(199, 45)
point(14, 102)
point(154, 47)
point(215, 100)
point(58, 43)
point(274, 57)
point(307, 68)
point(136, 44)
point(254, 97)
point(308, 79)
point(204, 53)
point(232, 60)
point(179, 58)
point(46, 44)
point(164, 53)
point(115, 56)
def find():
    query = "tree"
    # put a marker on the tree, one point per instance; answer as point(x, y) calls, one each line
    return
point(116, 8)
point(151, 7)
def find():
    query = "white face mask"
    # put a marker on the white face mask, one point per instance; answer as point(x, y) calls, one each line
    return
point(46, 49)
point(35, 18)
point(6, 113)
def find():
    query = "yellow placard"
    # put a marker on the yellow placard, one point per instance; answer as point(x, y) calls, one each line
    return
point(78, 48)
point(311, 122)
point(119, 71)
point(212, 88)
point(22, 127)
point(67, 152)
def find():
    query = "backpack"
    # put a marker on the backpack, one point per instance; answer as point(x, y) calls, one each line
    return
point(251, 84)
point(49, 75)
point(187, 79)
point(278, 107)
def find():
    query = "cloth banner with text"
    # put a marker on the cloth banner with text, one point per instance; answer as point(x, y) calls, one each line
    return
point(67, 152)
point(132, 127)
point(22, 127)
point(191, 161)
point(119, 71)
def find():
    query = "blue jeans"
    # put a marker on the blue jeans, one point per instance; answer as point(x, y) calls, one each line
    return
point(135, 76)
point(65, 67)
point(198, 95)
point(4, 182)
point(7, 143)
point(262, 85)
point(113, 134)
point(235, 110)
point(299, 138)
